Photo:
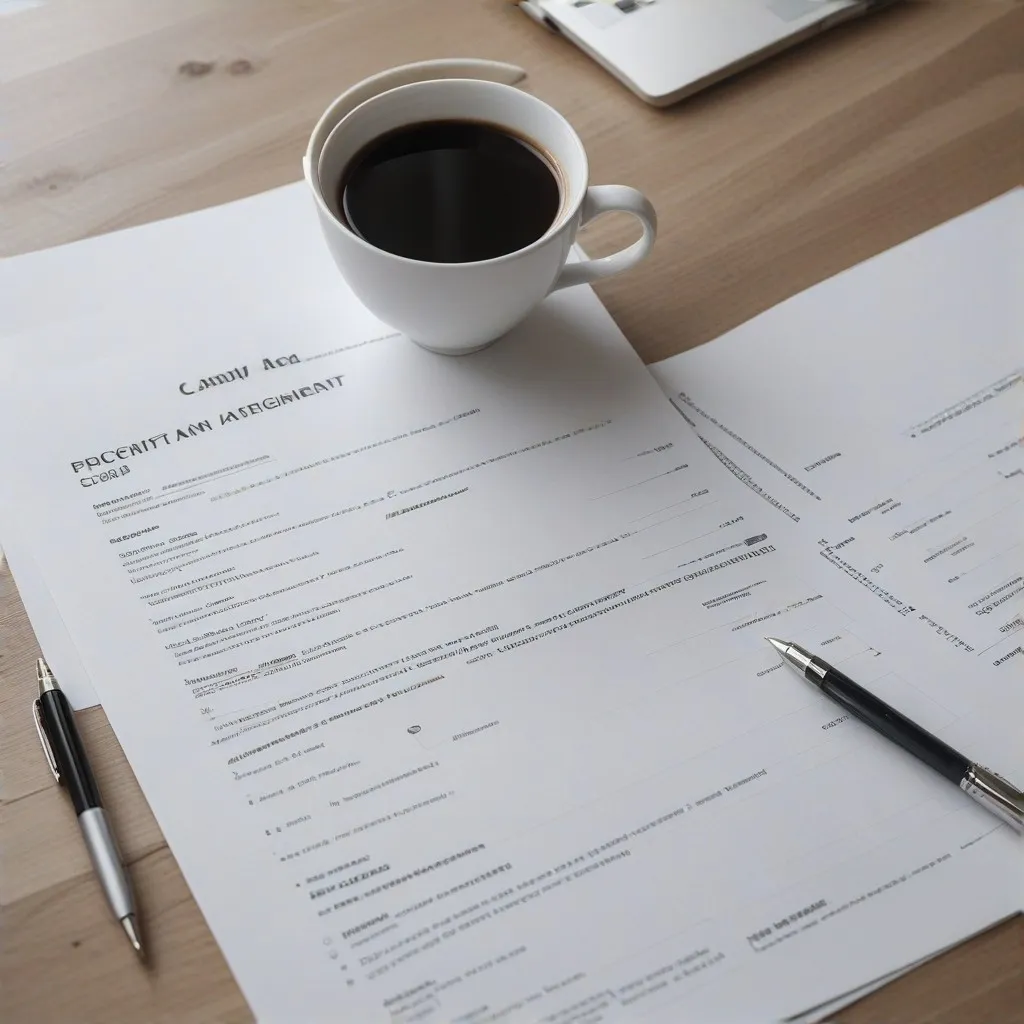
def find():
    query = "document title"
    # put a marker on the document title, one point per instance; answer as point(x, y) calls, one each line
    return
point(111, 464)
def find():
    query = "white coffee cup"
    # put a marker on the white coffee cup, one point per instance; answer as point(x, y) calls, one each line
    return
point(456, 308)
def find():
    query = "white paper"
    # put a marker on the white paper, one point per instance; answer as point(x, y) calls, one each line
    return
point(44, 616)
point(810, 404)
point(8, 7)
point(884, 409)
point(826, 1010)
point(526, 642)
point(137, 270)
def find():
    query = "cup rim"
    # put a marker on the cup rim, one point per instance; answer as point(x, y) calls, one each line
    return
point(564, 218)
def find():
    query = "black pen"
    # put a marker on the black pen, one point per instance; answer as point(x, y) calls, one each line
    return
point(988, 789)
point(55, 723)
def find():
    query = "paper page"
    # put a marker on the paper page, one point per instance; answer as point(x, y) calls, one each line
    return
point(951, 293)
point(51, 633)
point(884, 409)
point(826, 1010)
point(457, 664)
point(137, 269)
point(137, 266)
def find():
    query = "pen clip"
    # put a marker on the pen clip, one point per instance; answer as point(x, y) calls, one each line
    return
point(43, 739)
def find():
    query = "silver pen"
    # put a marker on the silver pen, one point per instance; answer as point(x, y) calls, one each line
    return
point(55, 724)
point(992, 791)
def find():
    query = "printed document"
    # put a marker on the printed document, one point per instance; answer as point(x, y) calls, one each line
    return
point(446, 678)
point(884, 411)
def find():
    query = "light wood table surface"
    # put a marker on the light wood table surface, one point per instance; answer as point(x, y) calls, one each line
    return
point(113, 113)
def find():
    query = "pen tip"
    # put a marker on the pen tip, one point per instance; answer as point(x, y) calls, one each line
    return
point(128, 924)
point(44, 676)
point(779, 645)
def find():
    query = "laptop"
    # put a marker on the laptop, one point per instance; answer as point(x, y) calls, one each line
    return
point(664, 50)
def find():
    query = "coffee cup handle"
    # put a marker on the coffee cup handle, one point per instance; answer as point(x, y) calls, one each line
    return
point(611, 199)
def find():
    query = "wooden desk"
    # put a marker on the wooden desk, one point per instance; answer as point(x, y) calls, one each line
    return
point(114, 113)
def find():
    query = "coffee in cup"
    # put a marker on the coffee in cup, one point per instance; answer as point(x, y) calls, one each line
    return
point(450, 192)
point(451, 207)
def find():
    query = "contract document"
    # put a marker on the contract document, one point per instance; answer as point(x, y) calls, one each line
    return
point(884, 409)
point(446, 679)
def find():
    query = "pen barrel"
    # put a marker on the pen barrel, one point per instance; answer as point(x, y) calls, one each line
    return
point(72, 764)
point(894, 726)
point(106, 861)
point(996, 794)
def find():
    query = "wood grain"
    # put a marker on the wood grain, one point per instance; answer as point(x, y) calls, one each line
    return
point(114, 113)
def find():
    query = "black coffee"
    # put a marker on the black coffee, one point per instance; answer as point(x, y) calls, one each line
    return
point(449, 192)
